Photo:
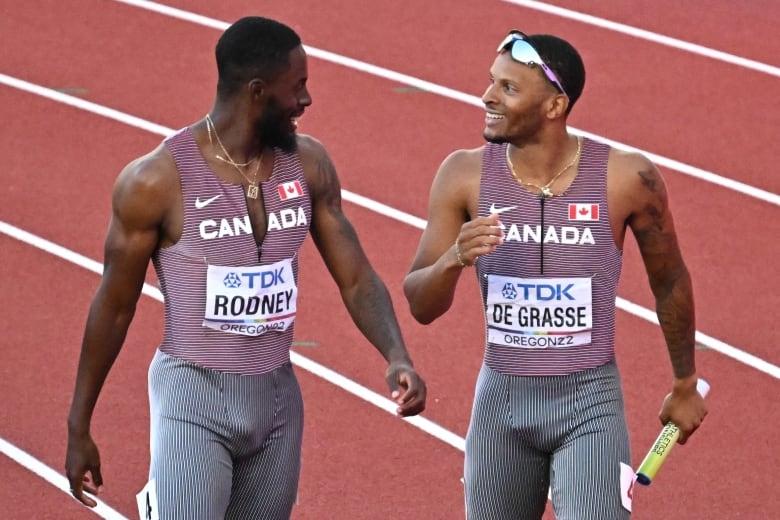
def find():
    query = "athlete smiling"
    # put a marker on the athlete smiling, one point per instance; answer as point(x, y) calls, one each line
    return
point(542, 214)
point(221, 208)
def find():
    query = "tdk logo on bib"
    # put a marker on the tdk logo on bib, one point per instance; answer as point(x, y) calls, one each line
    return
point(539, 292)
point(232, 281)
point(254, 280)
point(509, 291)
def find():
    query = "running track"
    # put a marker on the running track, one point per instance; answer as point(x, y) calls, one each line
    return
point(709, 119)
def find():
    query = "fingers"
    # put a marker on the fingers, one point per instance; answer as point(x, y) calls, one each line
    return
point(687, 414)
point(684, 435)
point(479, 237)
point(78, 487)
point(94, 484)
point(689, 429)
point(409, 394)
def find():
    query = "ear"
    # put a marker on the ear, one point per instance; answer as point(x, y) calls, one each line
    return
point(257, 88)
point(557, 106)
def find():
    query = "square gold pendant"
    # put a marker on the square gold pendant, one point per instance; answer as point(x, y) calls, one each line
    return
point(252, 191)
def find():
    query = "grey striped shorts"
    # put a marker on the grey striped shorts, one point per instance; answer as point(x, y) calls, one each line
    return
point(566, 434)
point(224, 445)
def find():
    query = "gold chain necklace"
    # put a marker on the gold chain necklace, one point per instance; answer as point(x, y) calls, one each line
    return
point(253, 190)
point(545, 191)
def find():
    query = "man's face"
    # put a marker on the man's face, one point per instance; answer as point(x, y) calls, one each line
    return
point(514, 100)
point(288, 97)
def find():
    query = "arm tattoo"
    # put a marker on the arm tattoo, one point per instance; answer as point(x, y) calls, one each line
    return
point(328, 186)
point(363, 292)
point(651, 235)
point(373, 313)
point(676, 316)
point(668, 277)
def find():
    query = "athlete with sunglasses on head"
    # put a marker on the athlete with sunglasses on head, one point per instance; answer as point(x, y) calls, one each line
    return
point(542, 215)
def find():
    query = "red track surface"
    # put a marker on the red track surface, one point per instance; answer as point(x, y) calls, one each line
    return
point(387, 141)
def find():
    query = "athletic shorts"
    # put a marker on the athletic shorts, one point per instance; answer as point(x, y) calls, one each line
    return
point(562, 434)
point(224, 445)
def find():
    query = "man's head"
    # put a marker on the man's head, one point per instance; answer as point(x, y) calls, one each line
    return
point(253, 48)
point(563, 60)
point(264, 61)
point(535, 81)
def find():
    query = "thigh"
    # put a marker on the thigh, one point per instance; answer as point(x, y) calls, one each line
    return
point(190, 464)
point(192, 471)
point(505, 478)
point(586, 469)
point(265, 479)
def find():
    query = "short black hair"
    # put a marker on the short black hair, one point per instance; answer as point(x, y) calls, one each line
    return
point(253, 47)
point(564, 60)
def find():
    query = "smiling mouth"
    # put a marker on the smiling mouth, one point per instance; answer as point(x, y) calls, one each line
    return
point(492, 119)
point(295, 118)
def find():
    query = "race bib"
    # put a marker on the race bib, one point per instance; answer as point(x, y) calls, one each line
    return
point(250, 300)
point(539, 312)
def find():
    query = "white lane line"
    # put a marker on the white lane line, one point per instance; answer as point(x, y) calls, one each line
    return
point(188, 16)
point(52, 477)
point(155, 128)
point(740, 187)
point(650, 36)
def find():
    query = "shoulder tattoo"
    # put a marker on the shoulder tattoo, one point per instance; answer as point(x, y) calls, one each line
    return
point(326, 180)
point(656, 203)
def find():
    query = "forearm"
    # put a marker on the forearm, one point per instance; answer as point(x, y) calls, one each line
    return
point(677, 317)
point(104, 335)
point(430, 290)
point(371, 308)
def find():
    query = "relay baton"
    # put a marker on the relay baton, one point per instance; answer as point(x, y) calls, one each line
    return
point(663, 445)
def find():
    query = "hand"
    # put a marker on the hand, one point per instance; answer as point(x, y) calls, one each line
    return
point(82, 466)
point(685, 407)
point(478, 237)
point(407, 388)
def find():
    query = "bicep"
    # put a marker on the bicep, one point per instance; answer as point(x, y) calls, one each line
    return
point(138, 209)
point(447, 212)
point(652, 224)
point(332, 232)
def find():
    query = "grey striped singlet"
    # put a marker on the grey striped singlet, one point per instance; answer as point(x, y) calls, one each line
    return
point(217, 231)
point(561, 246)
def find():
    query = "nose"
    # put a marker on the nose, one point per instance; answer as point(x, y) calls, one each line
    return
point(305, 99)
point(488, 97)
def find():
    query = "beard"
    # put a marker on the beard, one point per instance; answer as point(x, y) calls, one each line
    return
point(273, 128)
point(495, 139)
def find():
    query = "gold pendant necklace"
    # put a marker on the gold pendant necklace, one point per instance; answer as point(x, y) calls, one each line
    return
point(253, 190)
point(544, 191)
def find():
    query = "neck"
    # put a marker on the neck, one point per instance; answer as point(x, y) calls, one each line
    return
point(235, 133)
point(540, 161)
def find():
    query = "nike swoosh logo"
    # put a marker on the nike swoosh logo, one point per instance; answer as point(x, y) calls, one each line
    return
point(494, 209)
point(200, 204)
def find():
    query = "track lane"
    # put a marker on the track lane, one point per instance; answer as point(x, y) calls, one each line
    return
point(29, 496)
point(718, 24)
point(460, 53)
point(716, 283)
point(335, 132)
point(646, 102)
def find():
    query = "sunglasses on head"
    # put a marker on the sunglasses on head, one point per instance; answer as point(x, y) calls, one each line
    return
point(523, 52)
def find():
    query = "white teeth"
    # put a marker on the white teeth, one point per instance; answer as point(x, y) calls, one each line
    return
point(493, 116)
